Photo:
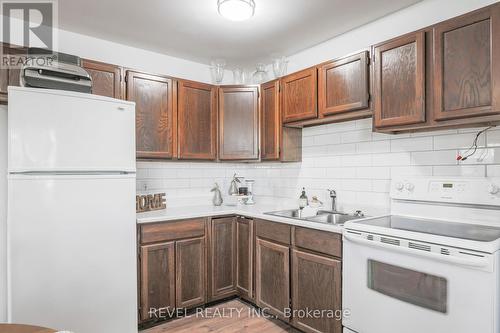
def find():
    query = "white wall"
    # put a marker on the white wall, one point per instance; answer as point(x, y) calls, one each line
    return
point(415, 17)
point(3, 213)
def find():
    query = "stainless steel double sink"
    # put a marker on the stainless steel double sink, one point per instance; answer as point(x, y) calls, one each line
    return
point(322, 216)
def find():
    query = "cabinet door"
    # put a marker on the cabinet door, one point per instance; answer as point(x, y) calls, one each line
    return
point(316, 285)
point(9, 76)
point(467, 65)
point(155, 119)
point(157, 279)
point(244, 257)
point(273, 277)
point(106, 78)
point(197, 121)
point(238, 123)
point(271, 121)
point(399, 81)
point(190, 272)
point(343, 85)
point(222, 258)
point(299, 95)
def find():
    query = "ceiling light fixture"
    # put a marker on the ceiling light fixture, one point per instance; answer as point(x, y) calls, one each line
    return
point(236, 10)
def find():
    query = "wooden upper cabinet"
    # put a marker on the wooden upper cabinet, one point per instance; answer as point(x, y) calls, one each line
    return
point(238, 123)
point(222, 257)
point(9, 76)
point(299, 95)
point(317, 286)
point(157, 278)
point(271, 121)
point(106, 78)
point(467, 65)
point(343, 85)
point(155, 116)
point(190, 272)
point(197, 120)
point(399, 81)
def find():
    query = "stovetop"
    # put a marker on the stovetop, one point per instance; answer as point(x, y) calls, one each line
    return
point(481, 233)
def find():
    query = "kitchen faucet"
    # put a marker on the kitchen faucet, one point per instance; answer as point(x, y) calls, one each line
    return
point(333, 195)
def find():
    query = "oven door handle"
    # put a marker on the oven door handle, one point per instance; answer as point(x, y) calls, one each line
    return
point(476, 262)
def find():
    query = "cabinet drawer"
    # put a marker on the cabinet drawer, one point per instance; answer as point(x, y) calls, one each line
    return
point(318, 241)
point(274, 231)
point(165, 231)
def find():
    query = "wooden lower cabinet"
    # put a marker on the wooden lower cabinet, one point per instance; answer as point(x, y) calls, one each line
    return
point(272, 277)
point(157, 279)
point(190, 272)
point(222, 258)
point(286, 271)
point(244, 257)
point(316, 285)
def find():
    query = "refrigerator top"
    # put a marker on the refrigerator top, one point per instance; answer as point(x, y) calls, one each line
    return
point(74, 94)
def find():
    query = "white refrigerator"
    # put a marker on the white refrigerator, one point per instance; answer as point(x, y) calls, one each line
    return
point(71, 224)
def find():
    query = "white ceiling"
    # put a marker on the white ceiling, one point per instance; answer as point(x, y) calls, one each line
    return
point(193, 29)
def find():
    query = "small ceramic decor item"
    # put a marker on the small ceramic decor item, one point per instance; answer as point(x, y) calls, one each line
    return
point(233, 187)
point(217, 199)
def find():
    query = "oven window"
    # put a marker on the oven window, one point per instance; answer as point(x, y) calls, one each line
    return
point(410, 286)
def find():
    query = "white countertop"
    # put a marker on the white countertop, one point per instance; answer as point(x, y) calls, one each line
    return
point(253, 211)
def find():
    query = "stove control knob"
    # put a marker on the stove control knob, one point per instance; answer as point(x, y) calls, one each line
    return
point(494, 189)
point(409, 186)
point(399, 186)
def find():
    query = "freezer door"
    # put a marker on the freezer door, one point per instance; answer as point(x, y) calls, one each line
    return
point(72, 253)
point(52, 130)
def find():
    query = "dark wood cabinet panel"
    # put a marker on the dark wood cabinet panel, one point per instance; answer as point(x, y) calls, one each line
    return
point(467, 65)
point(275, 231)
point(399, 81)
point(172, 230)
point(244, 257)
point(343, 85)
point(316, 285)
point(271, 121)
point(9, 76)
point(272, 280)
point(222, 257)
point(157, 278)
point(299, 95)
point(238, 123)
point(278, 143)
point(197, 120)
point(106, 78)
point(155, 114)
point(318, 241)
point(190, 272)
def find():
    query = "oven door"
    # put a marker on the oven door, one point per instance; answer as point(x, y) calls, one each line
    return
point(389, 288)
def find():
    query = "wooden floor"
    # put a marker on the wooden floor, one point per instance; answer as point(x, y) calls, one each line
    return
point(246, 322)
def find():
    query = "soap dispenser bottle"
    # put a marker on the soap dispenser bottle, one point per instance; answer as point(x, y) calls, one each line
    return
point(303, 201)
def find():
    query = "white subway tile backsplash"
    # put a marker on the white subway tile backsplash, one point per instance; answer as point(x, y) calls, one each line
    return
point(391, 159)
point(346, 156)
point(459, 170)
point(454, 141)
point(493, 138)
point(411, 144)
point(441, 157)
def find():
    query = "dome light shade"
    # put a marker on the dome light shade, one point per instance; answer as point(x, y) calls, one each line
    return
point(236, 10)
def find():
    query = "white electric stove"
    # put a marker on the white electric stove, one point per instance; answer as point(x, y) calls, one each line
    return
point(432, 265)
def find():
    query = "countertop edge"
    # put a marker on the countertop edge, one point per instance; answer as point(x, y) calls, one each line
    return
point(245, 213)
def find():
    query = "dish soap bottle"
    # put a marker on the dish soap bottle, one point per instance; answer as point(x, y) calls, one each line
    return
point(303, 201)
